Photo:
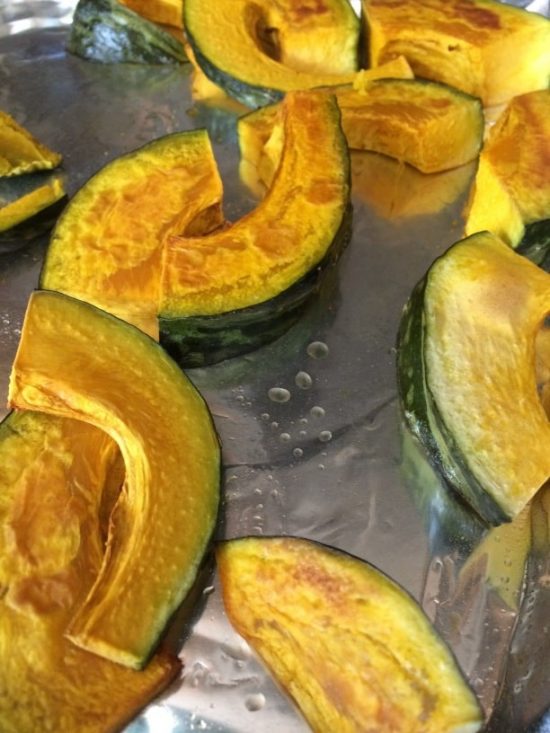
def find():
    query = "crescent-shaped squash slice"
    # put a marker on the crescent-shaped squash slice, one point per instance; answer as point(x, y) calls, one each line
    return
point(354, 650)
point(512, 185)
point(257, 50)
point(468, 377)
point(489, 49)
point(31, 204)
point(54, 488)
point(106, 248)
point(20, 152)
point(76, 361)
point(218, 290)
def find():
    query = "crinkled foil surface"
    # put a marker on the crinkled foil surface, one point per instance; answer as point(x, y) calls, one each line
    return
point(331, 462)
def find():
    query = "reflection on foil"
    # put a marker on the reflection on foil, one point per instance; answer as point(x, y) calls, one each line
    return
point(19, 16)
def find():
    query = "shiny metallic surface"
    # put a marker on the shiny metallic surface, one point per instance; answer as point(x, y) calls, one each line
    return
point(330, 462)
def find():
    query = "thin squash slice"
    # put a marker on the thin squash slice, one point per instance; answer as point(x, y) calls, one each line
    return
point(76, 361)
point(229, 291)
point(29, 205)
point(468, 378)
point(355, 652)
point(20, 152)
point(256, 51)
point(427, 125)
point(105, 31)
point(512, 185)
point(54, 486)
point(489, 49)
point(107, 246)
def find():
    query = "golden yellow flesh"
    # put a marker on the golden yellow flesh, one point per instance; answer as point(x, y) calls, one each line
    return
point(52, 490)
point(484, 305)
point(23, 208)
point(76, 361)
point(489, 49)
point(20, 152)
point(106, 248)
point(165, 12)
point(353, 649)
point(512, 187)
point(289, 232)
point(429, 126)
point(236, 36)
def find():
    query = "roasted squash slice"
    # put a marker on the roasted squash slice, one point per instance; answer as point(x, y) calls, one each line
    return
point(76, 361)
point(53, 489)
point(217, 290)
point(165, 12)
point(256, 51)
point(512, 186)
point(20, 152)
point(107, 32)
point(30, 204)
point(430, 126)
point(106, 248)
point(489, 49)
point(467, 376)
point(352, 648)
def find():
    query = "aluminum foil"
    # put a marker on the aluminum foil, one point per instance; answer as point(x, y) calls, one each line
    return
point(310, 425)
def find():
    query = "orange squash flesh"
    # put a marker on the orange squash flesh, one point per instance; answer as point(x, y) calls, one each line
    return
point(52, 489)
point(165, 12)
point(76, 361)
point(489, 49)
point(353, 650)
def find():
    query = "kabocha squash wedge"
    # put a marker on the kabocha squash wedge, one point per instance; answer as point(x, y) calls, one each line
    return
point(256, 51)
point(29, 205)
point(229, 291)
point(53, 485)
point(489, 49)
point(512, 185)
point(352, 648)
point(467, 377)
point(107, 32)
point(76, 361)
point(428, 125)
point(106, 248)
point(165, 12)
point(20, 152)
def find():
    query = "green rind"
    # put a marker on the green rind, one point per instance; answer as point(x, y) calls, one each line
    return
point(107, 32)
point(423, 418)
point(248, 94)
point(197, 341)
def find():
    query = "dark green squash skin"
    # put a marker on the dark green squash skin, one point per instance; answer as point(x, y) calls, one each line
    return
point(535, 244)
point(248, 94)
point(423, 418)
point(197, 341)
point(107, 32)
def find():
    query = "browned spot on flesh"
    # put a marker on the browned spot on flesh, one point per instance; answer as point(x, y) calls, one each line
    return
point(307, 9)
point(476, 16)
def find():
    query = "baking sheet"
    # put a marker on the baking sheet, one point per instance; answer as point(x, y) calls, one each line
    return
point(330, 463)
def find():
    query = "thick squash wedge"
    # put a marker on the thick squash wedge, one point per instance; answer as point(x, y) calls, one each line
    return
point(430, 126)
point(467, 376)
point(107, 32)
point(217, 290)
point(53, 489)
point(512, 185)
point(489, 49)
point(20, 152)
point(165, 12)
point(256, 51)
point(106, 248)
point(355, 652)
point(76, 361)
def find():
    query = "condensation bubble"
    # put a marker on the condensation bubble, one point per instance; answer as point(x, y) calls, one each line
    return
point(297, 452)
point(278, 394)
point(303, 380)
point(317, 350)
point(317, 411)
point(325, 436)
point(265, 416)
point(255, 702)
point(284, 437)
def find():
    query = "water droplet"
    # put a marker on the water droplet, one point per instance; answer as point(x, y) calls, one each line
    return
point(317, 350)
point(240, 398)
point(302, 433)
point(265, 416)
point(321, 466)
point(258, 491)
point(284, 437)
point(278, 394)
point(297, 452)
point(303, 420)
point(274, 425)
point(325, 436)
point(317, 411)
point(303, 380)
point(208, 590)
point(255, 702)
